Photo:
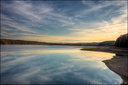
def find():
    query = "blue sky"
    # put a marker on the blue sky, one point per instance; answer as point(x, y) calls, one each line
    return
point(63, 21)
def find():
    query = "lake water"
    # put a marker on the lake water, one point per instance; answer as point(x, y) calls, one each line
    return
point(36, 64)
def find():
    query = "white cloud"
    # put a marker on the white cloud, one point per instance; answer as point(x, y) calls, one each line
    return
point(45, 14)
point(36, 14)
point(16, 26)
point(41, 13)
point(102, 30)
point(97, 7)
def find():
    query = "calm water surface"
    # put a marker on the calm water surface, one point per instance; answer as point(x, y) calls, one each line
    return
point(28, 64)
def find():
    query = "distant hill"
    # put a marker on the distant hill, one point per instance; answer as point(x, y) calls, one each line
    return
point(19, 42)
point(23, 42)
point(122, 41)
point(107, 43)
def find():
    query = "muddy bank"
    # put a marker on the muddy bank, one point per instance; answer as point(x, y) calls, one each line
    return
point(119, 62)
point(119, 65)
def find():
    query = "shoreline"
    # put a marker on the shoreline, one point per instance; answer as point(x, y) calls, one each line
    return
point(118, 64)
point(110, 49)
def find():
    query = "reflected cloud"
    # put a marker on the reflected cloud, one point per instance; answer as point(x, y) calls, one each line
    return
point(92, 55)
point(65, 65)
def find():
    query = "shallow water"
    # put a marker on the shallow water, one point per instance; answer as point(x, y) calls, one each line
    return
point(36, 64)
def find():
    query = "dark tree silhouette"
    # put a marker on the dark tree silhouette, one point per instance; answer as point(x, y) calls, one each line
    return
point(122, 41)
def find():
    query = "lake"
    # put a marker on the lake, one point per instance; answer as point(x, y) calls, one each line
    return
point(36, 64)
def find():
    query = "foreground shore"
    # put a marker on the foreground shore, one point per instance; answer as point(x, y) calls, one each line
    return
point(119, 62)
point(119, 65)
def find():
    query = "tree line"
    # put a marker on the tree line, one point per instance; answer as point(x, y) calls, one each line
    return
point(23, 42)
point(122, 41)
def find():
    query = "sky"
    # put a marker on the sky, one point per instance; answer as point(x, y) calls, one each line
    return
point(63, 21)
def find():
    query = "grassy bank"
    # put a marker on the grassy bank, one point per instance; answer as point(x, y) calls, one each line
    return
point(111, 49)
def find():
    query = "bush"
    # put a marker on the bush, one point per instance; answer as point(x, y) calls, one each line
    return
point(107, 43)
point(122, 41)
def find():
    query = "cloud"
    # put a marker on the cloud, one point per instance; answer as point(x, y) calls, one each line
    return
point(30, 15)
point(38, 13)
point(42, 38)
point(17, 27)
point(103, 30)
point(27, 10)
point(93, 7)
point(43, 22)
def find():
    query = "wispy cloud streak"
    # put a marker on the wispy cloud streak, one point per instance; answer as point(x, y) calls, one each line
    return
point(35, 19)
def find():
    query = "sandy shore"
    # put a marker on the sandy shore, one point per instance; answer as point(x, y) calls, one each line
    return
point(119, 65)
point(119, 62)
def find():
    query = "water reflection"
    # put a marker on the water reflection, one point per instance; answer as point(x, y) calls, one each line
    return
point(56, 64)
